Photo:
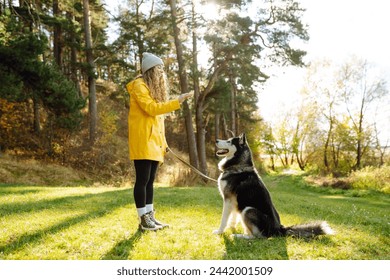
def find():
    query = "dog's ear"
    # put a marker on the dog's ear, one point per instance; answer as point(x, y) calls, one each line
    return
point(232, 133)
point(242, 139)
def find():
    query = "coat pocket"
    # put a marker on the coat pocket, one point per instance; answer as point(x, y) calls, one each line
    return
point(151, 130)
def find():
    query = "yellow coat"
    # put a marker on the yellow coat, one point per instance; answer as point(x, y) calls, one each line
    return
point(146, 122)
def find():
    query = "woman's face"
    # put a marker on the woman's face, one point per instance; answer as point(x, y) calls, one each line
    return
point(160, 69)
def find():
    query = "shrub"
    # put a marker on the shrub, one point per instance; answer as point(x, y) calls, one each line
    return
point(372, 178)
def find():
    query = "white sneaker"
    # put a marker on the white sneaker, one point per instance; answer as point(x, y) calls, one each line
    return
point(157, 223)
point(147, 223)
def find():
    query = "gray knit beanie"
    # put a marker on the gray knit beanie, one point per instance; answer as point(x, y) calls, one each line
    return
point(150, 60)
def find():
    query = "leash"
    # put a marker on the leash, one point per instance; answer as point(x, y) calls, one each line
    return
point(196, 170)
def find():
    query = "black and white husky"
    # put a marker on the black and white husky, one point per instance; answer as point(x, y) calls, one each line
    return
point(244, 194)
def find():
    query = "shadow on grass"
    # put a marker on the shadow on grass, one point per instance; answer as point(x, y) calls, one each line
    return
point(274, 248)
point(100, 205)
point(256, 249)
point(69, 201)
point(122, 249)
point(17, 190)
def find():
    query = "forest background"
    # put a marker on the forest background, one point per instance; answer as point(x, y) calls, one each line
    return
point(63, 98)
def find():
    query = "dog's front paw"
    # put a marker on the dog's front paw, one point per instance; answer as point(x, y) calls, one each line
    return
point(243, 236)
point(217, 231)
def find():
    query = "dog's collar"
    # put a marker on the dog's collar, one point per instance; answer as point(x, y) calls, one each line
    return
point(239, 170)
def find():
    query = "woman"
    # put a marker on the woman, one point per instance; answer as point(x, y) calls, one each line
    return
point(147, 145)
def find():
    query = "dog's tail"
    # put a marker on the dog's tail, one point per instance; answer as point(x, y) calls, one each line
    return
point(309, 230)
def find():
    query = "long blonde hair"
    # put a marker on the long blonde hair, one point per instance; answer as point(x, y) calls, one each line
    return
point(156, 79)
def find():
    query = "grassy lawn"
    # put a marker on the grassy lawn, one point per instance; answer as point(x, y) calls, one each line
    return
point(38, 222)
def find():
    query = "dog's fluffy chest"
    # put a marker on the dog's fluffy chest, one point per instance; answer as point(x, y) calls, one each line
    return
point(224, 186)
point(222, 183)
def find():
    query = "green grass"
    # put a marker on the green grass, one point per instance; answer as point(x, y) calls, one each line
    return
point(38, 222)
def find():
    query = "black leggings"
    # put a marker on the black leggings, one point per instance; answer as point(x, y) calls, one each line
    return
point(145, 172)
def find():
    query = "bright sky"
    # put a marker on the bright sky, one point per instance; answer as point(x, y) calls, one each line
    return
point(338, 29)
point(341, 27)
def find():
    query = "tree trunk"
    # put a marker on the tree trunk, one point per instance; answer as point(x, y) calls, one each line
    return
point(200, 127)
point(233, 110)
point(140, 43)
point(326, 147)
point(195, 71)
point(225, 127)
point(272, 163)
point(201, 137)
point(360, 136)
point(73, 55)
point(192, 148)
point(37, 123)
point(300, 160)
point(57, 36)
point(217, 127)
point(91, 74)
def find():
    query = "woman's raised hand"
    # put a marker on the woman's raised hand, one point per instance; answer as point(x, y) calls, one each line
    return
point(185, 96)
